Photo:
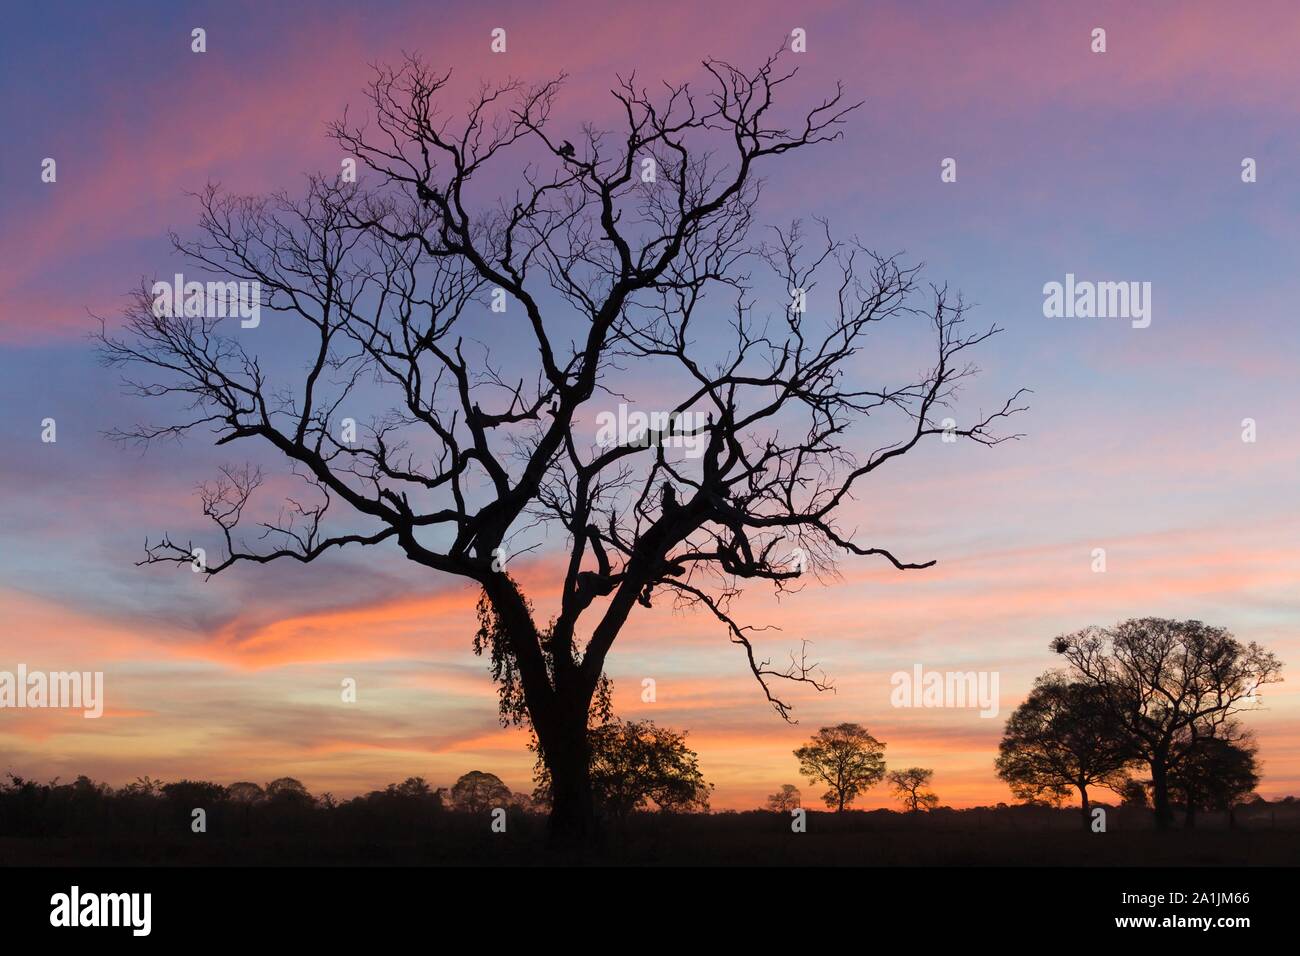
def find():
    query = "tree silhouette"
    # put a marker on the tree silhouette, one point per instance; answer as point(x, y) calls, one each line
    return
point(415, 788)
point(193, 793)
point(785, 799)
point(908, 785)
point(1064, 736)
point(146, 786)
point(1166, 683)
point(600, 267)
point(1213, 773)
point(846, 758)
point(635, 764)
point(478, 791)
point(287, 790)
point(1133, 793)
point(245, 792)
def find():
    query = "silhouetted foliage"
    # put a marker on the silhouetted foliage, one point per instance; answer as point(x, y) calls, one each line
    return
point(846, 758)
point(148, 807)
point(1133, 793)
point(84, 822)
point(245, 792)
point(908, 786)
point(400, 811)
point(1063, 736)
point(477, 792)
point(636, 765)
point(786, 799)
point(287, 790)
point(1213, 773)
point(1166, 683)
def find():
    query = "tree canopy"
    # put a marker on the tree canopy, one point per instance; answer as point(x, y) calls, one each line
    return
point(845, 758)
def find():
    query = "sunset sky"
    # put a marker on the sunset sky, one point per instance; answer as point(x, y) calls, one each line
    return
point(1117, 166)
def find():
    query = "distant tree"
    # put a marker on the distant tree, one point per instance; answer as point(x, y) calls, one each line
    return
point(194, 793)
point(523, 801)
point(908, 786)
point(636, 764)
point(143, 787)
point(1214, 773)
point(1133, 793)
point(1161, 678)
point(844, 757)
point(477, 791)
point(785, 799)
point(287, 790)
point(83, 785)
point(1063, 736)
point(245, 792)
point(412, 787)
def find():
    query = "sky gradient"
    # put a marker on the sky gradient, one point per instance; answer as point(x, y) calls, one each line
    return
point(1117, 166)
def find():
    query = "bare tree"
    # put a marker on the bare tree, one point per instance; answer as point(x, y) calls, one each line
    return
point(907, 785)
point(1167, 683)
point(625, 252)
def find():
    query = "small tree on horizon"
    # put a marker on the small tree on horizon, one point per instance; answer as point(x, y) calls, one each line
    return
point(477, 791)
point(908, 784)
point(844, 757)
point(245, 791)
point(288, 790)
point(786, 799)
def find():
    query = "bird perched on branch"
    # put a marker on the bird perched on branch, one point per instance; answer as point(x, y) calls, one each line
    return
point(567, 150)
point(424, 192)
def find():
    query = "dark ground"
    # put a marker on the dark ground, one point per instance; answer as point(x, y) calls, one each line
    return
point(1015, 836)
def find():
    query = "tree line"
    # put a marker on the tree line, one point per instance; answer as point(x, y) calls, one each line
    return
point(636, 765)
point(1147, 709)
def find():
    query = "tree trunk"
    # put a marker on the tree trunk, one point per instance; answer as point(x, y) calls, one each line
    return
point(1164, 815)
point(1085, 808)
point(565, 749)
point(558, 715)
